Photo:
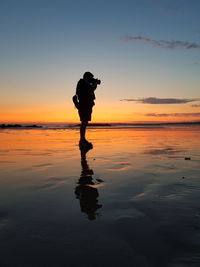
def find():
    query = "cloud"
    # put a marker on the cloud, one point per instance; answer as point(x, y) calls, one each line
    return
point(173, 114)
point(195, 106)
point(155, 100)
point(165, 44)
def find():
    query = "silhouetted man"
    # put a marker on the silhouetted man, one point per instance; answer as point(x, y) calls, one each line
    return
point(84, 101)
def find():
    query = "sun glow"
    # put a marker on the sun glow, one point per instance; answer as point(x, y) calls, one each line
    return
point(107, 113)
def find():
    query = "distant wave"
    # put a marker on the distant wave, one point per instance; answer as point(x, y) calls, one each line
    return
point(102, 125)
point(122, 125)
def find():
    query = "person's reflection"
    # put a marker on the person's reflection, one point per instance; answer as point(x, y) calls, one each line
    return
point(85, 190)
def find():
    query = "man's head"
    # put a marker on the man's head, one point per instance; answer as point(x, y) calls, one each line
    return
point(88, 76)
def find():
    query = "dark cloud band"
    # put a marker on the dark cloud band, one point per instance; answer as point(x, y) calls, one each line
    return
point(155, 100)
point(195, 106)
point(173, 114)
point(165, 44)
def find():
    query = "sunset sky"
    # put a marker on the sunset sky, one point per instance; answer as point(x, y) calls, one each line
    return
point(146, 53)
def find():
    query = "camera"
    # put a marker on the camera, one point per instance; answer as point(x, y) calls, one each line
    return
point(97, 81)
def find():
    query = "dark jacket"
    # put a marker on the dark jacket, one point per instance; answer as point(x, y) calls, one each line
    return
point(85, 93)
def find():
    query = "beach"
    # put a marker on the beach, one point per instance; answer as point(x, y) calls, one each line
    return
point(131, 200)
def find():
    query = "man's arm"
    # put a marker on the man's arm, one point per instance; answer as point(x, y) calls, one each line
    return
point(91, 86)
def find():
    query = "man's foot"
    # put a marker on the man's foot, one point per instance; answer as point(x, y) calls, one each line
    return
point(85, 143)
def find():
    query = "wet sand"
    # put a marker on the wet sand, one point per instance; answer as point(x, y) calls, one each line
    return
point(132, 200)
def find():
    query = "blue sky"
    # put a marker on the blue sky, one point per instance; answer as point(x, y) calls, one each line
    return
point(46, 46)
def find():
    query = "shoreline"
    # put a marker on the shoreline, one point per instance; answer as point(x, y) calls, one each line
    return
point(100, 125)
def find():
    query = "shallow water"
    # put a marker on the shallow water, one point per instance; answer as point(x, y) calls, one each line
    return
point(132, 200)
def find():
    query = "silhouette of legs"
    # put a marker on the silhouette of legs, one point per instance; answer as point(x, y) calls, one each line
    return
point(85, 113)
point(83, 140)
point(83, 130)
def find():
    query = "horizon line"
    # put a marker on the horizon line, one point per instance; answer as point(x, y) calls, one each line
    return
point(78, 122)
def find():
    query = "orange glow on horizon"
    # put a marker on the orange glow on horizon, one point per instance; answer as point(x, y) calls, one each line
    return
point(102, 113)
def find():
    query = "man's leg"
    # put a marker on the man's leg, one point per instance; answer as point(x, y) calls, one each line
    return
point(83, 130)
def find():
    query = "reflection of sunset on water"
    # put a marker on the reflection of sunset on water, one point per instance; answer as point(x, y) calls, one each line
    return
point(115, 149)
point(132, 182)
